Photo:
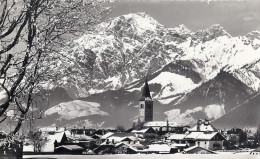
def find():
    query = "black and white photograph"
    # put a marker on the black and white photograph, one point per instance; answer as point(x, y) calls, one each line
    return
point(129, 79)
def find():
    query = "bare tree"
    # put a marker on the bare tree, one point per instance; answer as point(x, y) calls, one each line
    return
point(31, 33)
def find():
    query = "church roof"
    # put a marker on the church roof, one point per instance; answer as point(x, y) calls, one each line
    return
point(146, 92)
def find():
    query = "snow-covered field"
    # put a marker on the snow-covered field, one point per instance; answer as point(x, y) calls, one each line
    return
point(151, 156)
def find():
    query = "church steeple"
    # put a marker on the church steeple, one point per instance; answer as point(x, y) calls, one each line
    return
point(146, 104)
point(146, 92)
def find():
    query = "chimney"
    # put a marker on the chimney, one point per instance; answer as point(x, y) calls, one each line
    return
point(84, 130)
point(198, 124)
point(113, 141)
point(206, 122)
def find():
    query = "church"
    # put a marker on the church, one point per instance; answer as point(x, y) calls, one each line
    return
point(146, 114)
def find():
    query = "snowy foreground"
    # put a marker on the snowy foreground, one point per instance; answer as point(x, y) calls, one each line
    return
point(150, 156)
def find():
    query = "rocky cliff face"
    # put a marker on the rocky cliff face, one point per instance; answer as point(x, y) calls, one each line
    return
point(193, 75)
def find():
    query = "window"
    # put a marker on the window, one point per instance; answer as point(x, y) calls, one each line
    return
point(142, 106)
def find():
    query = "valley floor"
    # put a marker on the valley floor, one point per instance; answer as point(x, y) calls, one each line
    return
point(223, 155)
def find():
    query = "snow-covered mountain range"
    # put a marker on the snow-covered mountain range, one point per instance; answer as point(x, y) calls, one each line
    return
point(207, 73)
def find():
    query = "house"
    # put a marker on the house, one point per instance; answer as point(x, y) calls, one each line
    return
point(123, 148)
point(97, 138)
point(53, 140)
point(105, 149)
point(105, 136)
point(122, 137)
point(83, 141)
point(69, 149)
point(46, 139)
point(197, 150)
point(177, 138)
point(147, 133)
point(203, 134)
point(207, 140)
point(178, 147)
point(118, 139)
point(211, 141)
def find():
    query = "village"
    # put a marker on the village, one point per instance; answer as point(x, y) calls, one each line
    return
point(145, 137)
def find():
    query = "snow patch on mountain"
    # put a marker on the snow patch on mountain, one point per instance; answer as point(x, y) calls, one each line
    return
point(171, 84)
point(214, 111)
point(75, 109)
point(168, 100)
point(114, 82)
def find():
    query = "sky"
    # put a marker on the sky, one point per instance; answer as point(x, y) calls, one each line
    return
point(238, 17)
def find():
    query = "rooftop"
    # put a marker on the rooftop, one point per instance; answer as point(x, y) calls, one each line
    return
point(204, 126)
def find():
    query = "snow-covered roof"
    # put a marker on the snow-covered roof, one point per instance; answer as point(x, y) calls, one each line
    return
point(206, 136)
point(115, 138)
point(130, 137)
point(177, 136)
point(177, 145)
point(71, 147)
point(141, 131)
point(107, 135)
point(135, 147)
point(197, 147)
point(82, 137)
point(204, 126)
point(99, 136)
point(192, 135)
point(119, 139)
point(159, 124)
point(56, 136)
point(195, 136)
point(49, 145)
point(124, 134)
point(159, 147)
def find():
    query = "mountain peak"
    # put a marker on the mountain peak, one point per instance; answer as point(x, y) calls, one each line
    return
point(253, 35)
point(182, 30)
point(133, 22)
point(210, 33)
